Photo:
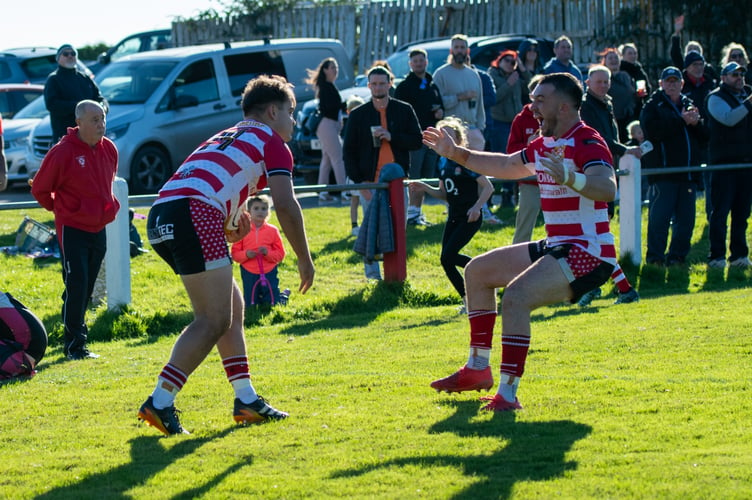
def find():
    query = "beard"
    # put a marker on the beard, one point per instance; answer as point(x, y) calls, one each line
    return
point(547, 127)
point(459, 58)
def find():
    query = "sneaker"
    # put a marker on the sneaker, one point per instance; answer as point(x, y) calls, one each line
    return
point(165, 421)
point(83, 353)
point(488, 217)
point(284, 296)
point(590, 296)
point(465, 379)
point(256, 412)
point(628, 297)
point(717, 263)
point(418, 220)
point(355, 231)
point(498, 403)
point(325, 198)
point(741, 262)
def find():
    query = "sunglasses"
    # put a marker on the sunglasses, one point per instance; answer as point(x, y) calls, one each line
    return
point(68, 53)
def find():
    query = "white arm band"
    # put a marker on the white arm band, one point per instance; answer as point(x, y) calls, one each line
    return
point(579, 181)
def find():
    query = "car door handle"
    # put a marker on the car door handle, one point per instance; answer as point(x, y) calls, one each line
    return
point(219, 106)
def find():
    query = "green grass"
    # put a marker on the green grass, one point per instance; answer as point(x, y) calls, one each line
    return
point(646, 400)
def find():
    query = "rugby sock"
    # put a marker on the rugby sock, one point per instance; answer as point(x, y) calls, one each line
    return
point(481, 337)
point(620, 280)
point(236, 368)
point(169, 383)
point(513, 355)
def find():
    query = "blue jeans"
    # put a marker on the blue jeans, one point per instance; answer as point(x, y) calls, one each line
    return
point(262, 291)
point(670, 201)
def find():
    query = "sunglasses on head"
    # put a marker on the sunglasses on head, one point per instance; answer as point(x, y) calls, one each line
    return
point(68, 53)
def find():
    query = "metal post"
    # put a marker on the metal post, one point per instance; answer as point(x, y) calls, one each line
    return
point(118, 257)
point(395, 263)
point(630, 209)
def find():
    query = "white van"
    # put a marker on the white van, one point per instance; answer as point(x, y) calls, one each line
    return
point(163, 104)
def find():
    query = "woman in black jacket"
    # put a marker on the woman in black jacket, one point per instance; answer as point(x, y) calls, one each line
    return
point(331, 108)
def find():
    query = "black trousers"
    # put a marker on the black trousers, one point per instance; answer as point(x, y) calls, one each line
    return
point(457, 233)
point(82, 253)
point(730, 191)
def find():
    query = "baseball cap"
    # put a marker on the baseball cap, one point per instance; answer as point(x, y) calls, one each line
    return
point(731, 67)
point(691, 57)
point(671, 72)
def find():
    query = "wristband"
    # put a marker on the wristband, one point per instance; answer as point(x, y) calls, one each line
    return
point(579, 181)
point(566, 176)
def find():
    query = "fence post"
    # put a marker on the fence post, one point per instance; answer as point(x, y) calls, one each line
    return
point(395, 263)
point(118, 257)
point(630, 209)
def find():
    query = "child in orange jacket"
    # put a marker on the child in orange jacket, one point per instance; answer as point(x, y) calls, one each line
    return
point(263, 243)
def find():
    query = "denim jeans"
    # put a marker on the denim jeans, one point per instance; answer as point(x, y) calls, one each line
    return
point(672, 205)
point(262, 295)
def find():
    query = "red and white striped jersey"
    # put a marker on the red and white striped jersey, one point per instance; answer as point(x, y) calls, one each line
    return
point(569, 216)
point(228, 168)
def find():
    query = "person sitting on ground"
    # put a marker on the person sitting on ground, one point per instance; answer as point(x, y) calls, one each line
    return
point(23, 339)
point(260, 252)
point(459, 187)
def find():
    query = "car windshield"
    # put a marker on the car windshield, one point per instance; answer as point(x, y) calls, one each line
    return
point(399, 61)
point(35, 109)
point(132, 82)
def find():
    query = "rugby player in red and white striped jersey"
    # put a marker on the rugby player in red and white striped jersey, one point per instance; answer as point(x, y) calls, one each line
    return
point(576, 176)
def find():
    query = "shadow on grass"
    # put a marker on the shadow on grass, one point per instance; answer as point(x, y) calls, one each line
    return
point(534, 451)
point(148, 458)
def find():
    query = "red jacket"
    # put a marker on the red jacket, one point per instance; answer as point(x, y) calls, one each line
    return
point(264, 236)
point(523, 126)
point(75, 183)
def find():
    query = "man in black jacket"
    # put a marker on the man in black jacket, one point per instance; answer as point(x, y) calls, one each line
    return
point(65, 88)
point(729, 108)
point(672, 123)
point(378, 132)
point(419, 91)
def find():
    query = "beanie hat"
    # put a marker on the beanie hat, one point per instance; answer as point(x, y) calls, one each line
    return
point(65, 46)
point(691, 57)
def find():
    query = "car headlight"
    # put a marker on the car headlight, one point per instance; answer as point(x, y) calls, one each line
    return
point(117, 132)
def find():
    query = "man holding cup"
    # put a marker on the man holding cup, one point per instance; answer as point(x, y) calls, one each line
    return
point(382, 131)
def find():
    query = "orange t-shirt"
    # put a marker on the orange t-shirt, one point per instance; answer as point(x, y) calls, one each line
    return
point(385, 151)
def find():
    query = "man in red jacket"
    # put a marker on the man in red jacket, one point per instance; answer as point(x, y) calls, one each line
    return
point(75, 183)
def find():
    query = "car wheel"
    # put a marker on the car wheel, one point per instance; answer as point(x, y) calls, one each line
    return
point(150, 169)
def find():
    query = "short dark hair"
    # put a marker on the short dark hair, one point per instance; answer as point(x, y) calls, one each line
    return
point(415, 52)
point(264, 90)
point(565, 85)
point(379, 70)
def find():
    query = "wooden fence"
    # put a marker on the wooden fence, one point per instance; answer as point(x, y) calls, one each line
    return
point(374, 29)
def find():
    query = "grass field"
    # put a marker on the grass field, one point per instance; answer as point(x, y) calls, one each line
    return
point(646, 400)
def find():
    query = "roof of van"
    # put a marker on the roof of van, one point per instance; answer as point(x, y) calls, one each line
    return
point(189, 50)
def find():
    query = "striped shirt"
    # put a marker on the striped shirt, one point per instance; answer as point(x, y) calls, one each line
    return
point(230, 167)
point(569, 216)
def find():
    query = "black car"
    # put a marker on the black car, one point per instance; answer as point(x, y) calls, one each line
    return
point(483, 50)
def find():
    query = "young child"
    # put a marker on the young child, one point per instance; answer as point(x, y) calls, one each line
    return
point(466, 193)
point(265, 241)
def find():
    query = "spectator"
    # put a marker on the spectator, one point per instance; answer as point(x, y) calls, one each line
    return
point(459, 187)
point(525, 128)
point(3, 164)
point(65, 88)
point(597, 112)
point(462, 91)
point(672, 123)
point(633, 68)
point(23, 339)
point(380, 132)
point(730, 120)
point(75, 183)
point(328, 131)
point(622, 90)
point(562, 60)
point(528, 64)
point(199, 210)
point(508, 103)
point(259, 252)
point(419, 91)
point(637, 138)
point(677, 56)
point(353, 102)
point(735, 52)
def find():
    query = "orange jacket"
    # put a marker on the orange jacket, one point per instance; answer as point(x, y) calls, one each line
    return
point(265, 235)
